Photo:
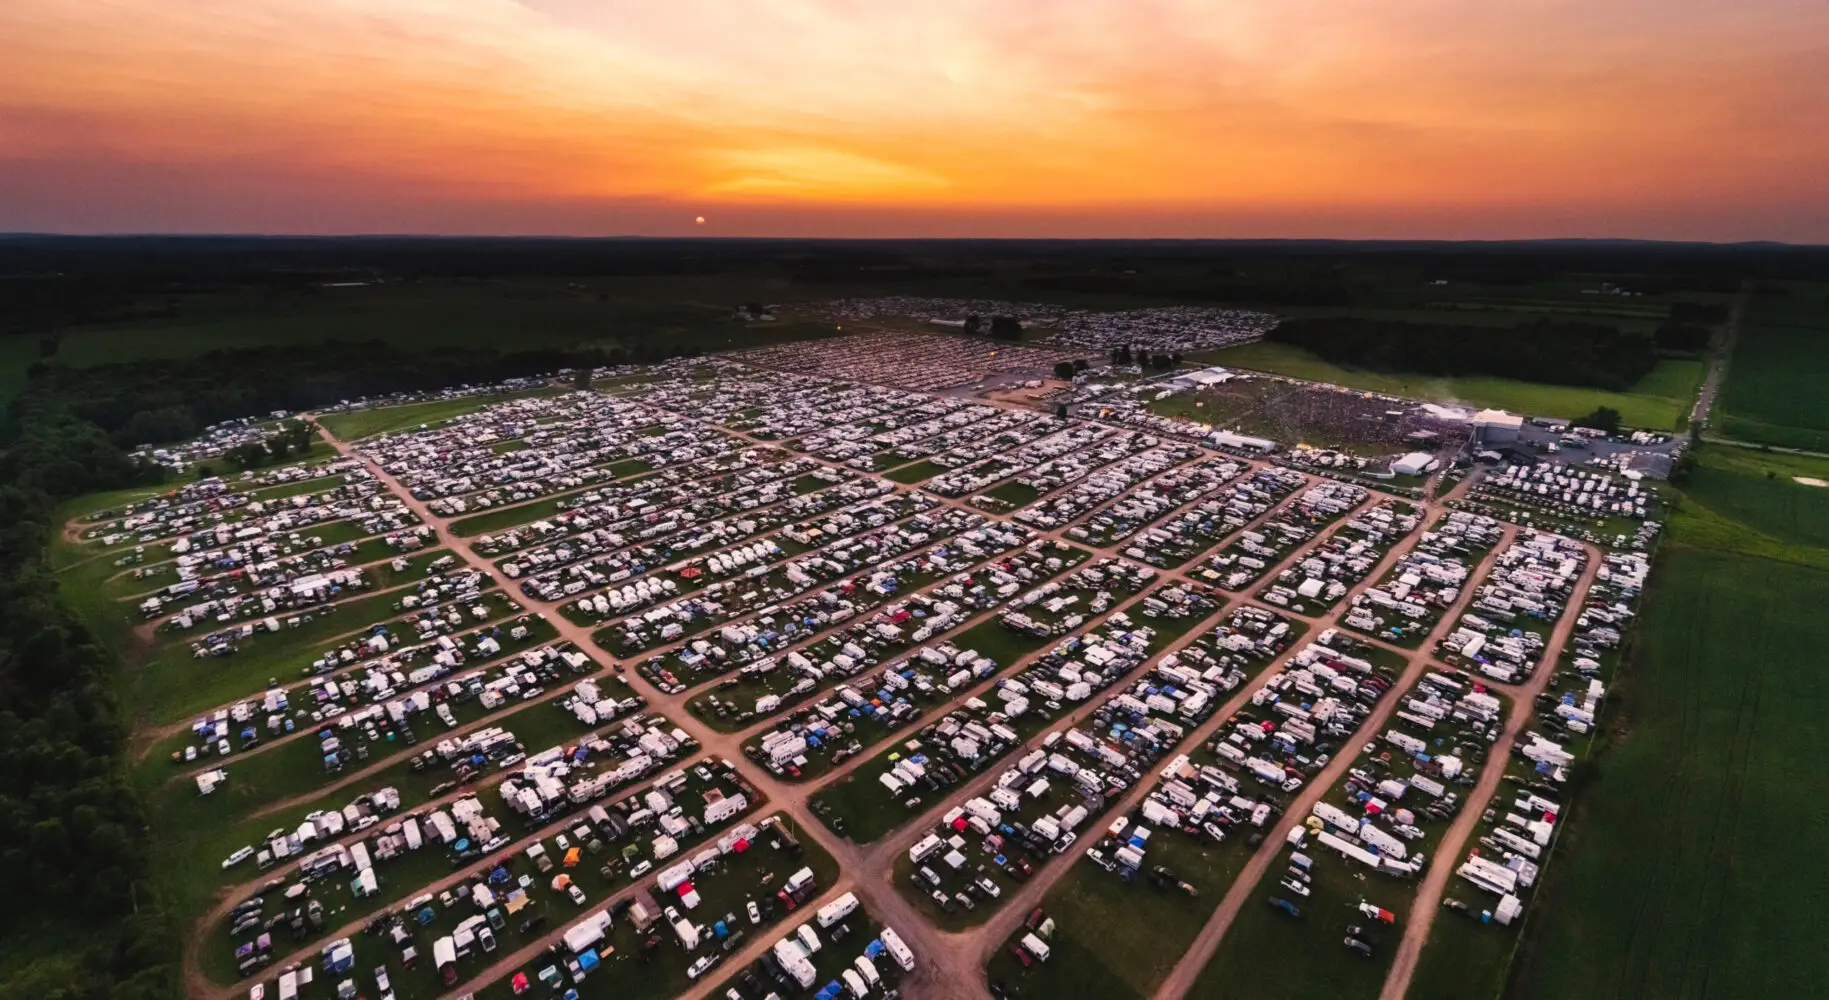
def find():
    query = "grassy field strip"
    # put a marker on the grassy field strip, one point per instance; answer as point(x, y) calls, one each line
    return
point(1660, 401)
point(1773, 392)
point(357, 424)
point(308, 952)
point(1193, 966)
point(268, 660)
point(1717, 752)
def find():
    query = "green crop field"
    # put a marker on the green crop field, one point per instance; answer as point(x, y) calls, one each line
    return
point(386, 419)
point(1774, 393)
point(1681, 879)
point(1674, 878)
point(1764, 492)
point(1660, 401)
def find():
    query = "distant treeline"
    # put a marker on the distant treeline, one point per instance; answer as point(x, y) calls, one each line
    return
point(73, 839)
point(50, 283)
point(154, 402)
point(1542, 351)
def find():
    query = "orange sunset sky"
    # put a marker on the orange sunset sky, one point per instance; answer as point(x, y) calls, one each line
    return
point(1176, 118)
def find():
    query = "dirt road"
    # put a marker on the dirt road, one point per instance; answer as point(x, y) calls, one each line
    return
point(951, 965)
point(1523, 707)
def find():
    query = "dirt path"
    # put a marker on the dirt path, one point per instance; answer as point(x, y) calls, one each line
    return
point(950, 965)
point(1429, 895)
point(1186, 971)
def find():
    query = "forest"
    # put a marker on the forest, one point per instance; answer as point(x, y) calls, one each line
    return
point(72, 835)
point(1560, 353)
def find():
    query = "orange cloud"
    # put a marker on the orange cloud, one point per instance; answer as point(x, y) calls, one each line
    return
point(1613, 117)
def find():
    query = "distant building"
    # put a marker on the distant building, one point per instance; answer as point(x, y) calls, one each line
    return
point(1496, 426)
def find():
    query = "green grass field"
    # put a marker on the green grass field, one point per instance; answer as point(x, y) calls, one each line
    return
point(16, 355)
point(1762, 492)
point(1660, 401)
point(1116, 939)
point(917, 472)
point(1774, 393)
point(387, 419)
point(1682, 877)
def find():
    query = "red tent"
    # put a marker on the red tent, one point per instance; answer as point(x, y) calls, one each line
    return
point(740, 846)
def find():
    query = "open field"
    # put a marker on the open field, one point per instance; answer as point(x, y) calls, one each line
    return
point(386, 419)
point(1774, 390)
point(1115, 938)
point(1678, 881)
point(1660, 401)
point(1762, 491)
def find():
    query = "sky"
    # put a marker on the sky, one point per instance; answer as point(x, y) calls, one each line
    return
point(1406, 119)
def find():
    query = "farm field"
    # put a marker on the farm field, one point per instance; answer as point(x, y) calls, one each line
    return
point(1762, 491)
point(1660, 401)
point(387, 419)
point(1774, 388)
point(1677, 880)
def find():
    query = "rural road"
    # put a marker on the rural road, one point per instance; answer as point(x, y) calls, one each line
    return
point(1207, 942)
point(1523, 707)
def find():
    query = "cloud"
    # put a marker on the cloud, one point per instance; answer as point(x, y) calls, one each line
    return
point(1131, 111)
